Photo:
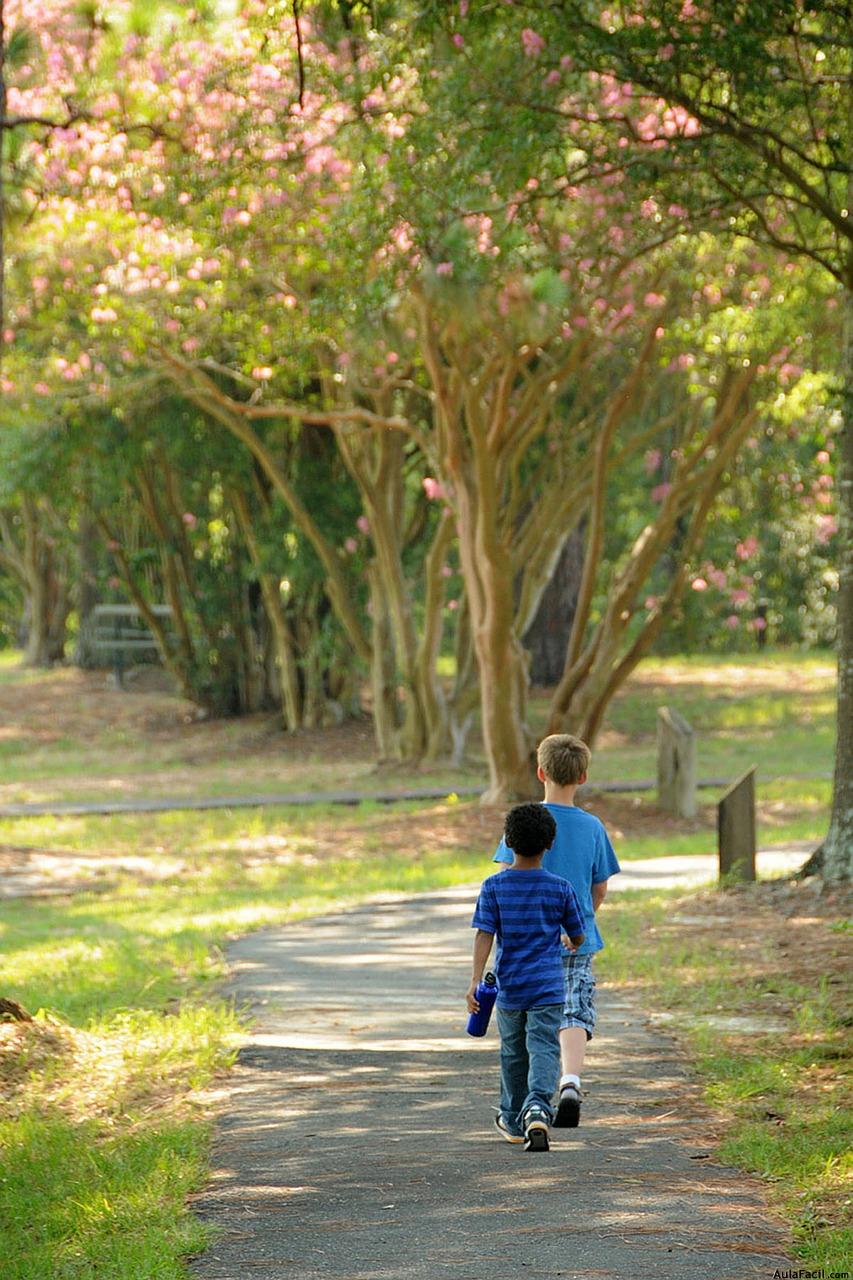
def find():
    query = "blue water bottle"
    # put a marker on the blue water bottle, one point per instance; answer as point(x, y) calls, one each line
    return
point(486, 994)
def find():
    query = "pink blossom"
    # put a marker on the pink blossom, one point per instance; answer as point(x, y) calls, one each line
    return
point(699, 584)
point(739, 596)
point(822, 457)
point(189, 519)
point(758, 624)
point(652, 461)
point(363, 524)
point(446, 571)
point(654, 300)
point(825, 528)
point(350, 546)
point(717, 577)
point(432, 488)
point(458, 40)
point(262, 372)
point(660, 492)
point(444, 269)
point(191, 345)
point(532, 42)
point(41, 389)
point(747, 548)
point(463, 8)
point(652, 602)
point(666, 51)
point(732, 621)
point(452, 605)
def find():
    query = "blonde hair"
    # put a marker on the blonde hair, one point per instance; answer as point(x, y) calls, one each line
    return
point(563, 758)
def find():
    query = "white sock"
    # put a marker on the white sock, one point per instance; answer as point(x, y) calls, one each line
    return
point(570, 1079)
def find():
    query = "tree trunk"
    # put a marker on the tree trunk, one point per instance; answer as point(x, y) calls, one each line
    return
point(285, 658)
point(382, 672)
point(87, 588)
point(501, 661)
point(48, 604)
point(547, 637)
point(837, 851)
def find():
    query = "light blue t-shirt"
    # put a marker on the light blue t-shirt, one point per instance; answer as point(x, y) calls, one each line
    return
point(527, 910)
point(583, 855)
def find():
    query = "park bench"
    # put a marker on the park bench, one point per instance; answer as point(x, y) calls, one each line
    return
point(118, 630)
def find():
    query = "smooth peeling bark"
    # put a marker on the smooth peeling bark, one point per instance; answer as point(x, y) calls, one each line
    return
point(837, 850)
point(383, 686)
point(375, 463)
point(47, 589)
point(501, 661)
point(283, 645)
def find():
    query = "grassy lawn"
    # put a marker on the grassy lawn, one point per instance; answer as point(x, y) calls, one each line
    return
point(103, 1127)
point(104, 1101)
point(775, 1077)
point(62, 733)
point(103, 1118)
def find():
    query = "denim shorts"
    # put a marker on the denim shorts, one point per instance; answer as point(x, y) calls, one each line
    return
point(579, 1010)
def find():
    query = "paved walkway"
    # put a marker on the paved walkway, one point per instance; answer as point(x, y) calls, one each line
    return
point(356, 1140)
point(173, 804)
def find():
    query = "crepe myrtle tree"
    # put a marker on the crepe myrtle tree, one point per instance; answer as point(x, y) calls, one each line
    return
point(732, 116)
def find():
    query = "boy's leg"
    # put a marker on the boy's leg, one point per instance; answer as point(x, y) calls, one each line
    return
point(577, 1027)
point(543, 1054)
point(572, 1050)
point(514, 1067)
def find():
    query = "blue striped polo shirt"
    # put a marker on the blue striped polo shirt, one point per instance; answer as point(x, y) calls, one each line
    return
point(526, 910)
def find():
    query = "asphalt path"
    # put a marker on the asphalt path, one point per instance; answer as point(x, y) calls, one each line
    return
point(355, 1137)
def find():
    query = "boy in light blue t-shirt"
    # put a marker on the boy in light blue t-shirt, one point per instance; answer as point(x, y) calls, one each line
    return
point(583, 855)
point(527, 909)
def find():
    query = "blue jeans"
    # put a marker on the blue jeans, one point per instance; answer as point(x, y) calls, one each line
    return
point(530, 1060)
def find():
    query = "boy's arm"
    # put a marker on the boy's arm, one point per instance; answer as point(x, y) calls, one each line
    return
point(502, 855)
point(482, 946)
point(599, 893)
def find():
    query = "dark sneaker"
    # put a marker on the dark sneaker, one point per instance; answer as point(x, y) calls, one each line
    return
point(504, 1130)
point(569, 1108)
point(536, 1126)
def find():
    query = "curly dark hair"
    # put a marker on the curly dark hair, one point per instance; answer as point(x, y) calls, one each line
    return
point(529, 830)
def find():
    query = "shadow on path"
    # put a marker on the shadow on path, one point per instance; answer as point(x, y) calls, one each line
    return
point(356, 1139)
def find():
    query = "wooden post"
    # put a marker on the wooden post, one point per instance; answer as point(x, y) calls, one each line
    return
point(736, 831)
point(676, 764)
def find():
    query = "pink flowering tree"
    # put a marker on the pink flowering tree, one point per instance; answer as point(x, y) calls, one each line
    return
point(732, 118)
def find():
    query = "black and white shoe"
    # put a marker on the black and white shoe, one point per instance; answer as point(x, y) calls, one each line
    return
point(569, 1108)
point(509, 1135)
point(536, 1126)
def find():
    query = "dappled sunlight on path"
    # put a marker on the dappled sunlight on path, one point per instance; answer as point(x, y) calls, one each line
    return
point(356, 1135)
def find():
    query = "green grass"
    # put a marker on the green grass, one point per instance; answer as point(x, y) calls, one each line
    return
point(783, 1098)
point(775, 708)
point(102, 1137)
point(97, 1155)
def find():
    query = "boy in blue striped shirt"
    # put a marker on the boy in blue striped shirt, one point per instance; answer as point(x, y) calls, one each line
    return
point(528, 910)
